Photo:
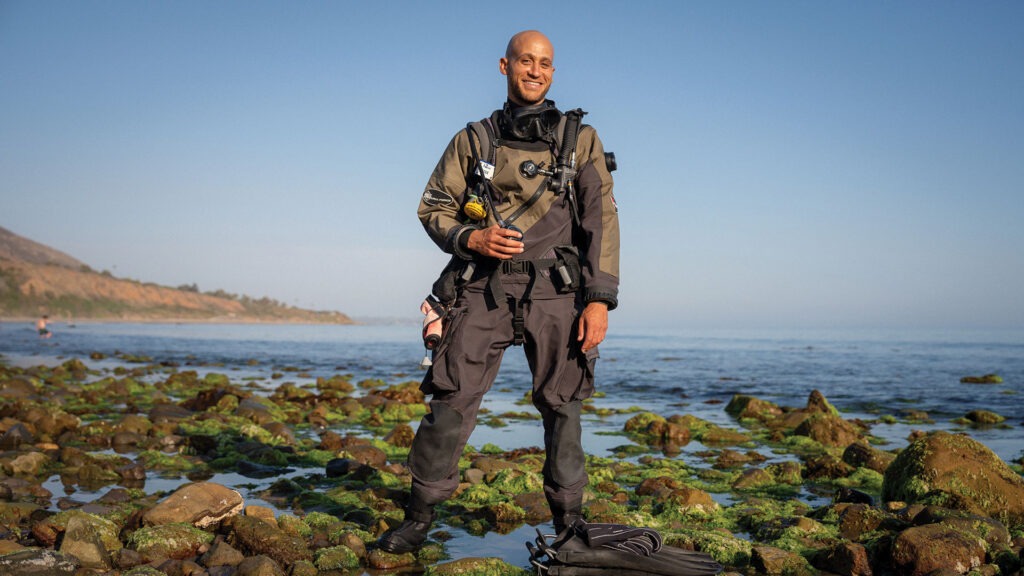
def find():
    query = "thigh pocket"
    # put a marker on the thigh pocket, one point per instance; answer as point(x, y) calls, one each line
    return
point(441, 375)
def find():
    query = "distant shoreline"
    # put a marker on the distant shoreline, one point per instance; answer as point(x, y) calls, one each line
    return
point(65, 321)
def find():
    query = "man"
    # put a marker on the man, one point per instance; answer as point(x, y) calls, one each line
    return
point(41, 327)
point(546, 282)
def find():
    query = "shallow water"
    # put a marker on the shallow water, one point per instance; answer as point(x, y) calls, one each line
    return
point(865, 374)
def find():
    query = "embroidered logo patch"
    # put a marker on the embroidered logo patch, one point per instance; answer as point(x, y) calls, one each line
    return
point(432, 197)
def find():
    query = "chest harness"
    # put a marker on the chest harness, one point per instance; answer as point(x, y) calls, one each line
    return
point(558, 178)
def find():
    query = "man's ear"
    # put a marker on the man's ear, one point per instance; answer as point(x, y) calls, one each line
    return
point(503, 65)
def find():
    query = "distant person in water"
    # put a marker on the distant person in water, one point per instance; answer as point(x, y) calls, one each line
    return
point(41, 327)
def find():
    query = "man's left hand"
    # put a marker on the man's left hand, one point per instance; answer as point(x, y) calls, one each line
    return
point(593, 325)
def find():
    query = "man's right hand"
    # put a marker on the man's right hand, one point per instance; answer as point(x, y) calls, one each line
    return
point(496, 242)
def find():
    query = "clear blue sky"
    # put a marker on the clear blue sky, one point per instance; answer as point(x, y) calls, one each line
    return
point(795, 164)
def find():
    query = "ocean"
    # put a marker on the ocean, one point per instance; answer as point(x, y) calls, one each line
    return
point(875, 376)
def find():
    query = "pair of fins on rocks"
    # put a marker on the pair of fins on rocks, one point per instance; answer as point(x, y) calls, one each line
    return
point(585, 549)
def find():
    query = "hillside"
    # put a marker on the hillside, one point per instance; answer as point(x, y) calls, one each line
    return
point(36, 279)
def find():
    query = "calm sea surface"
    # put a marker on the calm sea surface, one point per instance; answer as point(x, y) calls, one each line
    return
point(866, 374)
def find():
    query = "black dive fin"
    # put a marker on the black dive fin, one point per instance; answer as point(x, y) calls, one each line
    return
point(603, 550)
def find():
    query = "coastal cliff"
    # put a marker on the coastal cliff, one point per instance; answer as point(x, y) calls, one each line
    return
point(36, 279)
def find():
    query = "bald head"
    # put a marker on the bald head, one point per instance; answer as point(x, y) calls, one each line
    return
point(520, 38)
point(529, 64)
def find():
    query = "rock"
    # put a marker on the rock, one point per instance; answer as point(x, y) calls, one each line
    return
point(126, 558)
point(855, 520)
point(381, 560)
point(82, 540)
point(367, 454)
point(259, 566)
point(920, 550)
point(134, 472)
point(135, 424)
point(261, 538)
point(201, 504)
point(861, 455)
point(534, 505)
point(47, 530)
point(844, 559)
point(166, 412)
point(851, 496)
point(476, 566)
point(38, 562)
point(993, 532)
point(336, 558)
point(742, 406)
point(16, 388)
point(956, 471)
point(281, 431)
point(692, 499)
point(30, 464)
point(178, 541)
point(263, 513)
point(344, 466)
point(777, 562)
point(221, 554)
point(817, 403)
point(8, 546)
point(829, 430)
point(984, 417)
point(986, 379)
point(401, 436)
point(753, 478)
point(15, 436)
point(252, 409)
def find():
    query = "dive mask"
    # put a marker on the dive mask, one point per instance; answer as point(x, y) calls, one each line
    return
point(532, 122)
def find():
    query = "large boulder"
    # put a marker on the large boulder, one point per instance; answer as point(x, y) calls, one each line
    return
point(956, 471)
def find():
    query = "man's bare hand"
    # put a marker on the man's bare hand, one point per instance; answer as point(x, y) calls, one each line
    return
point(593, 325)
point(496, 242)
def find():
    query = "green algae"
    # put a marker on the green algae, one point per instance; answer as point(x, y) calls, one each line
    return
point(725, 548)
point(164, 462)
point(513, 481)
point(339, 557)
point(165, 540)
point(476, 567)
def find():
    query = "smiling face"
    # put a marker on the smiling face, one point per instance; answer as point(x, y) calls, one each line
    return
point(529, 65)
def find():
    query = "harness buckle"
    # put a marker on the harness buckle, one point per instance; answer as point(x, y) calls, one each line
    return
point(515, 266)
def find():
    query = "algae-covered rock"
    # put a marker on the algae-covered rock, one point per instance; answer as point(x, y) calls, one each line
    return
point(476, 567)
point(921, 550)
point(828, 429)
point(986, 379)
point(984, 417)
point(181, 540)
point(742, 406)
point(959, 472)
point(260, 537)
point(82, 540)
point(38, 562)
point(726, 549)
point(336, 558)
point(778, 562)
point(860, 454)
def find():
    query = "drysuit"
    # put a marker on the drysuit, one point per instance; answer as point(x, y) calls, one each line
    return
point(521, 301)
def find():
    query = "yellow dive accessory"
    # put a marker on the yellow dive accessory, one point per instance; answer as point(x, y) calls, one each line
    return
point(474, 208)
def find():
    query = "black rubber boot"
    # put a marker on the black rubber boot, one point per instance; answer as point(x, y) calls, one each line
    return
point(411, 533)
point(564, 520)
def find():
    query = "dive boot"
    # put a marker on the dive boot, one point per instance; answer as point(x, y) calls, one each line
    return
point(411, 533)
point(408, 537)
